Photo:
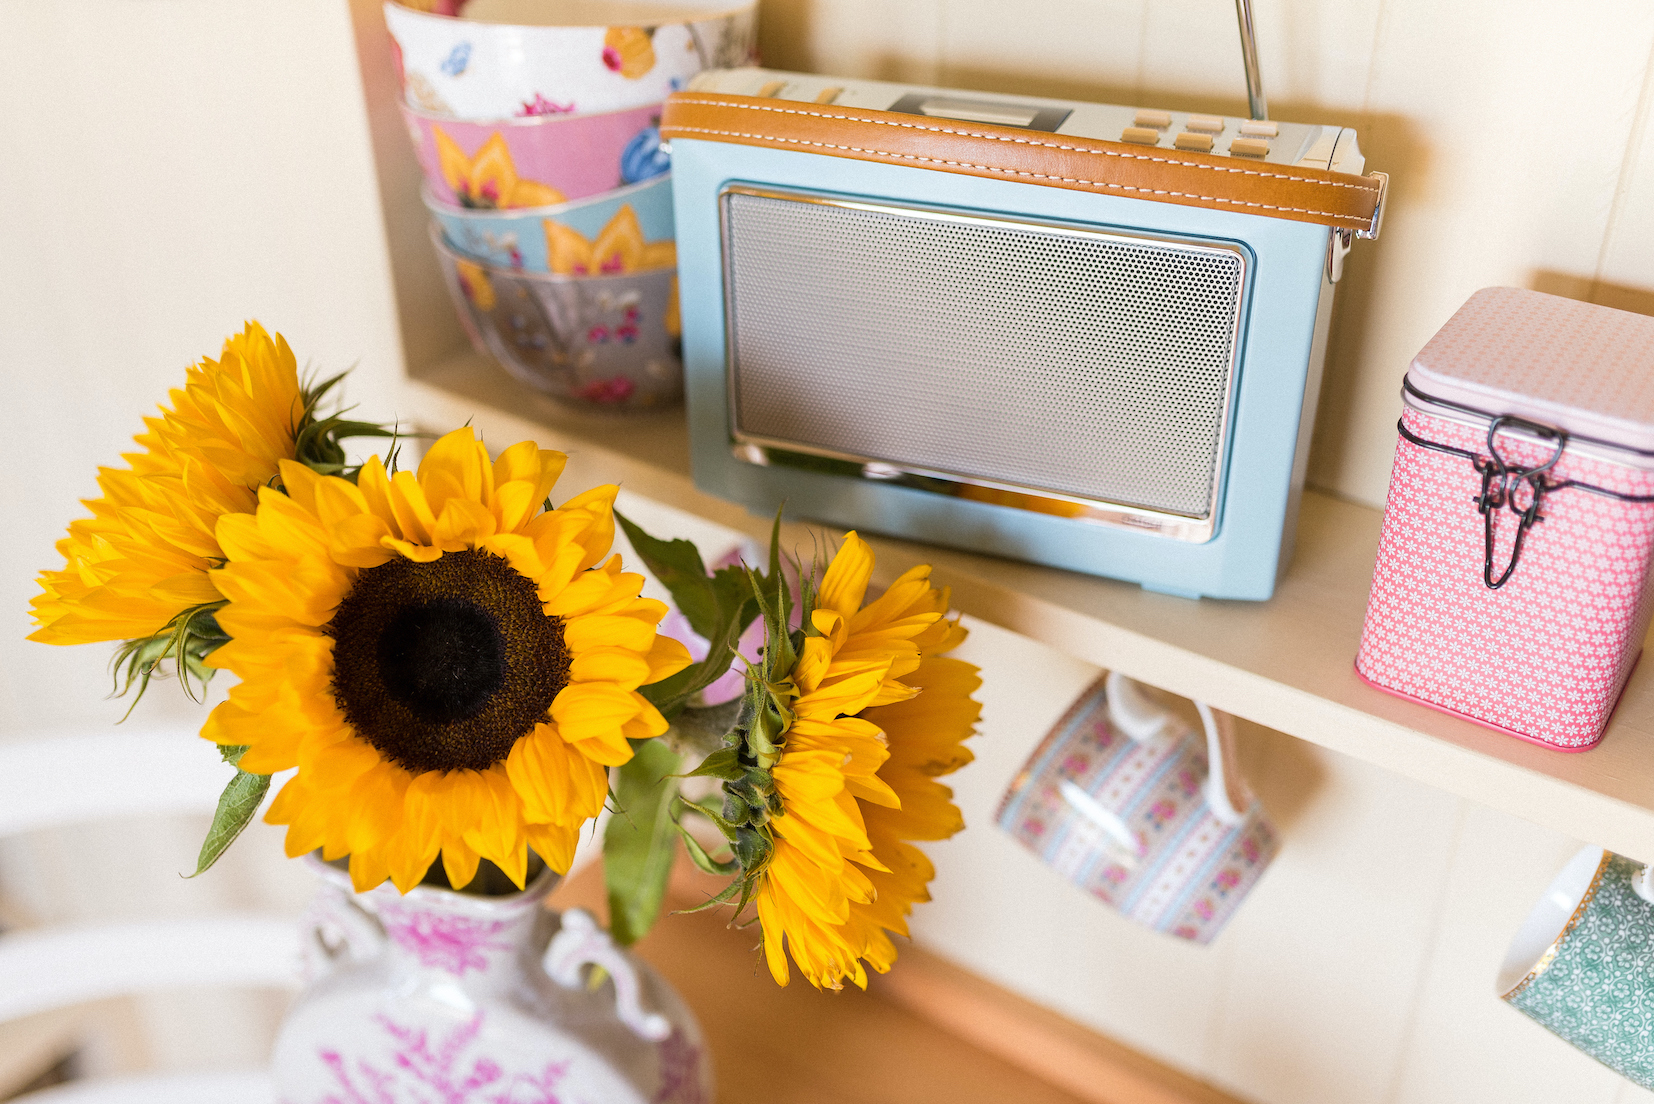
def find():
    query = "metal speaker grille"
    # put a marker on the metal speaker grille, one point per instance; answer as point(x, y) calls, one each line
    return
point(1089, 365)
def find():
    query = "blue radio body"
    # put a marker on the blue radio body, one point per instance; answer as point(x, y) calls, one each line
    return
point(760, 232)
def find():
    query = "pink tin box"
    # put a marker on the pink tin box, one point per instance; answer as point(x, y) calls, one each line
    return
point(1513, 577)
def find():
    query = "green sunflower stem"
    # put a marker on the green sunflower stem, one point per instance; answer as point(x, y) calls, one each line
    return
point(698, 732)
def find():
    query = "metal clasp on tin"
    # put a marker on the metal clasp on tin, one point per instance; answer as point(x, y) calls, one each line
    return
point(1500, 483)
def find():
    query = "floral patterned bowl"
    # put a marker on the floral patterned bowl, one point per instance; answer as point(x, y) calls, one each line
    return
point(610, 342)
point(539, 162)
point(495, 59)
point(627, 230)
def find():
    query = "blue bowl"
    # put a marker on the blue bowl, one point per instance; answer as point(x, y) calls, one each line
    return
point(516, 238)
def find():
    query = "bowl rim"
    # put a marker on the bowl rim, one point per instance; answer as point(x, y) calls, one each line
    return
point(714, 13)
point(525, 121)
point(440, 240)
point(622, 193)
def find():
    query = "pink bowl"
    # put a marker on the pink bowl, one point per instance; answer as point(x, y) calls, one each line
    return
point(535, 162)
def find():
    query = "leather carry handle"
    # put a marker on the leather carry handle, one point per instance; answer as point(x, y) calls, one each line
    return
point(1341, 200)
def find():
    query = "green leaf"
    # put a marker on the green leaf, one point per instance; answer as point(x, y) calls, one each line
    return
point(672, 694)
point(237, 806)
point(641, 841)
point(677, 564)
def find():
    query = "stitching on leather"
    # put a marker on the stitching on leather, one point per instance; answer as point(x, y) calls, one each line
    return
point(1356, 219)
point(1021, 141)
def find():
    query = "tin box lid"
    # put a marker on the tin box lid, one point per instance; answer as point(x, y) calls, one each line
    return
point(1580, 367)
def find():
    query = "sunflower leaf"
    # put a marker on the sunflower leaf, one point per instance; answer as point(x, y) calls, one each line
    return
point(677, 564)
point(640, 841)
point(237, 806)
point(671, 695)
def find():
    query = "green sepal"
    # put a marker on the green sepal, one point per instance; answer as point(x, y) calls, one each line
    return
point(237, 806)
point(639, 843)
point(698, 855)
point(720, 898)
point(316, 440)
point(191, 636)
point(724, 764)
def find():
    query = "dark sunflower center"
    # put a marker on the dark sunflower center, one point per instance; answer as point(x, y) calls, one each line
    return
point(445, 665)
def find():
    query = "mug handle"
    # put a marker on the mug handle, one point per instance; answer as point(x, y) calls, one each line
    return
point(1226, 791)
point(1132, 712)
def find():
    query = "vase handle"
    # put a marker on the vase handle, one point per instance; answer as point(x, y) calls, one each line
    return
point(338, 929)
point(580, 942)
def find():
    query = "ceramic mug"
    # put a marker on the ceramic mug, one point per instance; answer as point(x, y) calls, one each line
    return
point(504, 58)
point(1582, 964)
point(1129, 803)
point(606, 342)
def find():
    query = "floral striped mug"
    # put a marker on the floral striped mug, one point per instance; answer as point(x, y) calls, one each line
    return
point(1129, 803)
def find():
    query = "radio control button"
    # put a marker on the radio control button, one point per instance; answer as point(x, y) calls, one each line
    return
point(771, 89)
point(1160, 120)
point(1143, 136)
point(829, 95)
point(1260, 128)
point(1211, 124)
point(1249, 147)
point(1199, 142)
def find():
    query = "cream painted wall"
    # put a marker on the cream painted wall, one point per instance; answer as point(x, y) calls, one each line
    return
point(171, 168)
point(177, 165)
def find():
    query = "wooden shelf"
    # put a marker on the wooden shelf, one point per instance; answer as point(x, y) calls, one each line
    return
point(1287, 663)
point(927, 1031)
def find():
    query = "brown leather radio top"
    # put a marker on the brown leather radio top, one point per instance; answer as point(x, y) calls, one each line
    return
point(1291, 192)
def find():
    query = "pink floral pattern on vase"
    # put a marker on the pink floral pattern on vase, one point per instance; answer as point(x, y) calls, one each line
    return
point(452, 943)
point(680, 1072)
point(441, 1074)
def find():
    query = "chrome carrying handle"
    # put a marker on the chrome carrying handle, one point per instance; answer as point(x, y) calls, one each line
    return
point(1249, 58)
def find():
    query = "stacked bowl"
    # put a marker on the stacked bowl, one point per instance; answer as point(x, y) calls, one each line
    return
point(536, 124)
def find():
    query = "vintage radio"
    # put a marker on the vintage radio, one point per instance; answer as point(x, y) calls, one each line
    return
point(1084, 335)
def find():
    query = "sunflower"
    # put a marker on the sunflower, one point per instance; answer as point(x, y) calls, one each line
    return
point(142, 558)
point(880, 713)
point(451, 669)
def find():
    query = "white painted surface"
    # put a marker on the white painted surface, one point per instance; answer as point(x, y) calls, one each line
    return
point(198, 1088)
point(58, 967)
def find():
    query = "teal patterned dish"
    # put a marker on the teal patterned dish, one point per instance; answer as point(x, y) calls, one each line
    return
point(1582, 965)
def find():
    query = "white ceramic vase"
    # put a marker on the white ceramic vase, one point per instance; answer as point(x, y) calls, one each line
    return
point(439, 997)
